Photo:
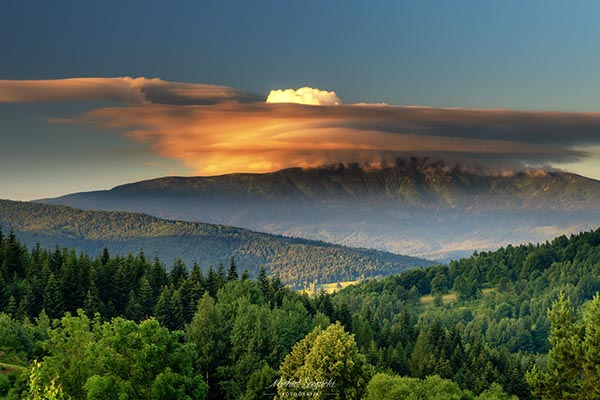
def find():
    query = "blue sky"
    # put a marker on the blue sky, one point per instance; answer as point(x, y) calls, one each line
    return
point(521, 55)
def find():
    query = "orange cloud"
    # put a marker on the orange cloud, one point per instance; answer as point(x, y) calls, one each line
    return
point(258, 137)
point(216, 129)
point(124, 90)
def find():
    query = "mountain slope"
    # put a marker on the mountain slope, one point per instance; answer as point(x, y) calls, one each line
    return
point(296, 260)
point(416, 206)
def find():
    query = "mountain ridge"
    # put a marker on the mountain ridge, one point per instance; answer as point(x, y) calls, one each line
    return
point(394, 208)
point(298, 261)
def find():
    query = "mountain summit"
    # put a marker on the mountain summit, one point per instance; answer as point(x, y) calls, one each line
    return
point(415, 206)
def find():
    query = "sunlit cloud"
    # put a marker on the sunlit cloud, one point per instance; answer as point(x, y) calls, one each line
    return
point(254, 137)
point(123, 90)
point(215, 130)
point(304, 95)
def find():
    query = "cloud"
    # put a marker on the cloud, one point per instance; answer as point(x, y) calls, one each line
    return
point(259, 137)
point(216, 129)
point(123, 90)
point(304, 95)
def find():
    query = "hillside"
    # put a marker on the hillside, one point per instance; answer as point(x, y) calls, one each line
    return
point(296, 260)
point(477, 329)
point(419, 207)
point(485, 318)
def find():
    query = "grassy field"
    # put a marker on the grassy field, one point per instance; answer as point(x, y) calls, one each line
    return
point(450, 297)
point(330, 287)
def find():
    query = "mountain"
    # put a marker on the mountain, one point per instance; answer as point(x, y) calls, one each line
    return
point(298, 261)
point(416, 206)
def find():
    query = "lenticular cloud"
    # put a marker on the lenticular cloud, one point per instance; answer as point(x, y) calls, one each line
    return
point(304, 95)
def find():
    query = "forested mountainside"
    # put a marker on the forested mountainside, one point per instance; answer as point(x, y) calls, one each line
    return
point(476, 328)
point(417, 206)
point(409, 183)
point(297, 261)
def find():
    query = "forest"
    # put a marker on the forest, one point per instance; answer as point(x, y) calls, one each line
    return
point(299, 262)
point(519, 322)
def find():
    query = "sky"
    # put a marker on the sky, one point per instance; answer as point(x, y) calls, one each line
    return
point(503, 81)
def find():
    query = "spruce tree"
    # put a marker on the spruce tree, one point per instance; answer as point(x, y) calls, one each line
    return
point(179, 273)
point(163, 311)
point(232, 275)
point(133, 309)
point(92, 303)
point(105, 258)
point(53, 301)
point(212, 282)
point(146, 298)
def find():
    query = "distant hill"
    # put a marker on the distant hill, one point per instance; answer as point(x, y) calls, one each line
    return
point(297, 261)
point(417, 206)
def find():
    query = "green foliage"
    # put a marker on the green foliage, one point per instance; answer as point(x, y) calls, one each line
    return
point(239, 331)
point(325, 363)
point(574, 357)
point(386, 387)
point(243, 334)
point(16, 340)
point(120, 359)
point(39, 391)
point(298, 261)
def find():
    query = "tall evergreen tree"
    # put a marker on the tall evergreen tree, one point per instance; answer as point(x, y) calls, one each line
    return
point(146, 298)
point(232, 275)
point(92, 303)
point(178, 273)
point(53, 298)
point(164, 310)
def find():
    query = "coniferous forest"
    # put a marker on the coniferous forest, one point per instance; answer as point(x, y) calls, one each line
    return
point(520, 322)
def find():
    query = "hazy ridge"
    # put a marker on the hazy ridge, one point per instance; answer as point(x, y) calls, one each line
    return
point(416, 206)
point(296, 260)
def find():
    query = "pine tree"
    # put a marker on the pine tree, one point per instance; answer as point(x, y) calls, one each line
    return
point(574, 358)
point(157, 277)
point(105, 258)
point(133, 309)
point(56, 260)
point(232, 274)
point(146, 298)
point(13, 257)
point(4, 293)
point(212, 283)
point(92, 303)
point(178, 273)
point(53, 301)
point(11, 307)
point(221, 274)
point(177, 320)
point(276, 290)
point(197, 286)
point(72, 287)
point(163, 311)
point(263, 280)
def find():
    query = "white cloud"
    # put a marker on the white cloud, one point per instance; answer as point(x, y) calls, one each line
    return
point(304, 95)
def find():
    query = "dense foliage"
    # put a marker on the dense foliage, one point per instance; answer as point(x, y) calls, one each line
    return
point(297, 261)
point(126, 326)
point(477, 321)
